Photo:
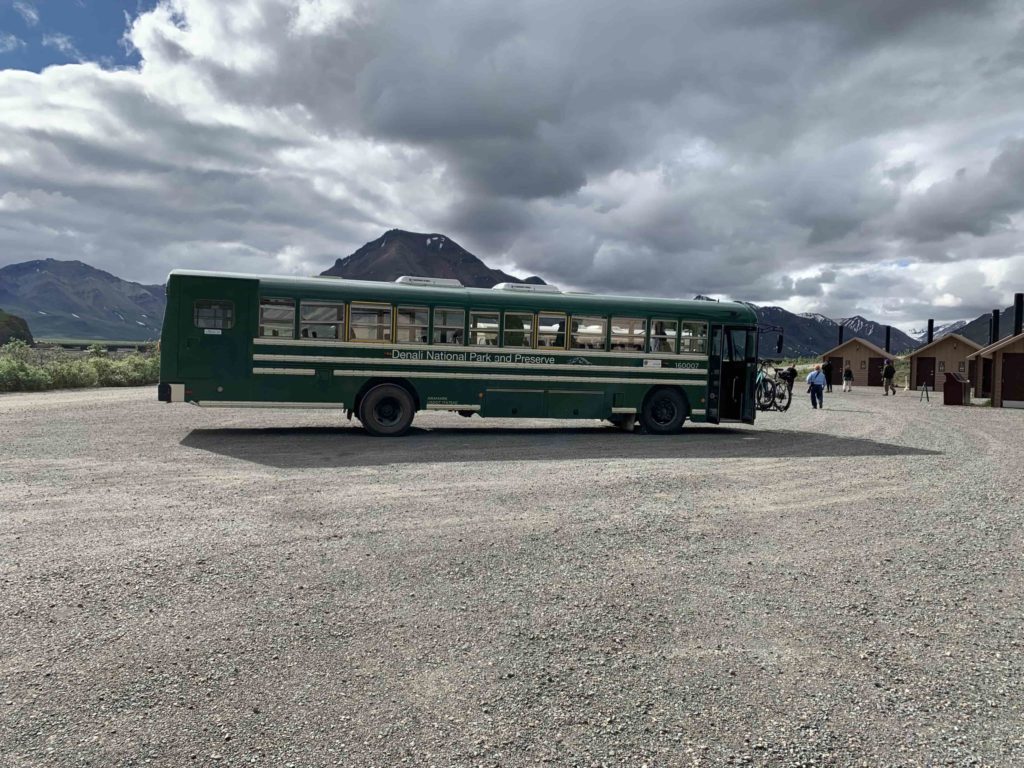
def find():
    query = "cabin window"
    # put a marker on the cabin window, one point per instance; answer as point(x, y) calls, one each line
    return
point(412, 325)
point(518, 329)
point(321, 320)
point(369, 322)
point(588, 332)
point(277, 317)
point(449, 325)
point(693, 338)
point(483, 328)
point(550, 331)
point(213, 314)
point(628, 334)
point(663, 335)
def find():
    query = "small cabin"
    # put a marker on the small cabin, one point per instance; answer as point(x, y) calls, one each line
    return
point(864, 358)
point(1001, 367)
point(948, 354)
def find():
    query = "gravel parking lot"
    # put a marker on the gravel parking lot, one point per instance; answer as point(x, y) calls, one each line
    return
point(181, 586)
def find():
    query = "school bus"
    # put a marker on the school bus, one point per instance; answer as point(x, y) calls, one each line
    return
point(384, 351)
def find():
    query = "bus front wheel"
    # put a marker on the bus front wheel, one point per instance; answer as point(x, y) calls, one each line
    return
point(664, 412)
point(387, 410)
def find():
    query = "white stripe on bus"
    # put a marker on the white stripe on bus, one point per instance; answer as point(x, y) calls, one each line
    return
point(263, 404)
point(279, 342)
point(286, 371)
point(469, 364)
point(451, 407)
point(509, 377)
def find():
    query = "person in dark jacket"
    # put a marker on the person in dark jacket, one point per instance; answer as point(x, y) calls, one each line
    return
point(827, 370)
point(888, 374)
point(847, 378)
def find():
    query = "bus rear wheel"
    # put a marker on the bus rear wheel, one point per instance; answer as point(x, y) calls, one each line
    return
point(387, 410)
point(664, 412)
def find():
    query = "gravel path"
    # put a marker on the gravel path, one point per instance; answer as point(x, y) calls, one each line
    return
point(181, 586)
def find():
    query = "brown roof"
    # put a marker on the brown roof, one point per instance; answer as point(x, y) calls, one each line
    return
point(866, 343)
point(987, 351)
point(956, 336)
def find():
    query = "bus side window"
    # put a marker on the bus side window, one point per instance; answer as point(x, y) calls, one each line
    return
point(321, 320)
point(518, 329)
point(213, 314)
point(664, 335)
point(628, 334)
point(483, 328)
point(412, 325)
point(277, 317)
point(369, 321)
point(588, 332)
point(449, 325)
point(550, 331)
point(693, 338)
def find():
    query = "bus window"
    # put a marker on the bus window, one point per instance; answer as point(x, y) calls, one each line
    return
point(412, 325)
point(483, 328)
point(213, 314)
point(449, 325)
point(694, 338)
point(277, 317)
point(588, 332)
point(518, 329)
point(663, 335)
point(321, 320)
point(551, 331)
point(369, 322)
point(628, 334)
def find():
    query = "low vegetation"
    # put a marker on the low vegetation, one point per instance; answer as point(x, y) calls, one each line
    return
point(24, 369)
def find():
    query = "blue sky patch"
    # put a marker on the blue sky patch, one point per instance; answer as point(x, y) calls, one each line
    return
point(35, 34)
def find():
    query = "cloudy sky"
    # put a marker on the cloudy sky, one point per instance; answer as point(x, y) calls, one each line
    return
point(841, 157)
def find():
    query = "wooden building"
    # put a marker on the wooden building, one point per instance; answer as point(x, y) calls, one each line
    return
point(1002, 372)
point(949, 354)
point(863, 357)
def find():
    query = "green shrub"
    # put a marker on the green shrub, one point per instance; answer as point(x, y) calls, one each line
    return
point(22, 369)
point(73, 374)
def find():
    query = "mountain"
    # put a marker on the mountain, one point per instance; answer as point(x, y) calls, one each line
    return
point(940, 330)
point(978, 329)
point(397, 253)
point(69, 299)
point(810, 334)
point(13, 327)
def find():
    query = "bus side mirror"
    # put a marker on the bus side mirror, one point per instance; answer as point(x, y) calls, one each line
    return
point(778, 345)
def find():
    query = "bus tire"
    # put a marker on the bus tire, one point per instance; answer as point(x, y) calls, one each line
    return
point(664, 411)
point(387, 410)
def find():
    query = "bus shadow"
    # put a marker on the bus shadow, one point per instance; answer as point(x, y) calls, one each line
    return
point(320, 447)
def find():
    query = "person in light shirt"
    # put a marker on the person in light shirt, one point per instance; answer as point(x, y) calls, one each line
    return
point(815, 386)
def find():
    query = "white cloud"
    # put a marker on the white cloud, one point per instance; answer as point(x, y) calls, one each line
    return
point(61, 42)
point(774, 150)
point(9, 42)
point(27, 11)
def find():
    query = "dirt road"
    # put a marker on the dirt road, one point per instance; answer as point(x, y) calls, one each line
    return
point(182, 586)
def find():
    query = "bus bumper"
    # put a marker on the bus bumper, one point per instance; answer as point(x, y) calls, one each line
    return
point(170, 393)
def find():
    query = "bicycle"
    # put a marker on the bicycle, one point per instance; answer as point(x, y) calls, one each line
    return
point(772, 392)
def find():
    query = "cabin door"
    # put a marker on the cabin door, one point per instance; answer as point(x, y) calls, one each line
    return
point(925, 373)
point(1013, 380)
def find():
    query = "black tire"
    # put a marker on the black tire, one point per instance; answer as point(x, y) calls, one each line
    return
point(783, 396)
point(764, 395)
point(664, 412)
point(387, 410)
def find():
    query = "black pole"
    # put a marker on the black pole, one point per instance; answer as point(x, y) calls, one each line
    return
point(993, 335)
point(1018, 313)
point(931, 331)
point(888, 339)
point(841, 329)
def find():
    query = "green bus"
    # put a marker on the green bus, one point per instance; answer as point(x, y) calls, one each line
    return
point(384, 351)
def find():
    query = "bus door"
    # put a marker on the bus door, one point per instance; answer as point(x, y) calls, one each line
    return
point(216, 327)
point(732, 367)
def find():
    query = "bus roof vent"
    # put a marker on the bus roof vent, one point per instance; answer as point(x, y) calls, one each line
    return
point(526, 288)
point(437, 282)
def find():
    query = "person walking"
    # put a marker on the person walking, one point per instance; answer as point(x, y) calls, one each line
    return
point(815, 386)
point(848, 378)
point(827, 370)
point(888, 374)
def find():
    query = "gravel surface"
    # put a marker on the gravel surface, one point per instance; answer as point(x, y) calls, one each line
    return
point(181, 586)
